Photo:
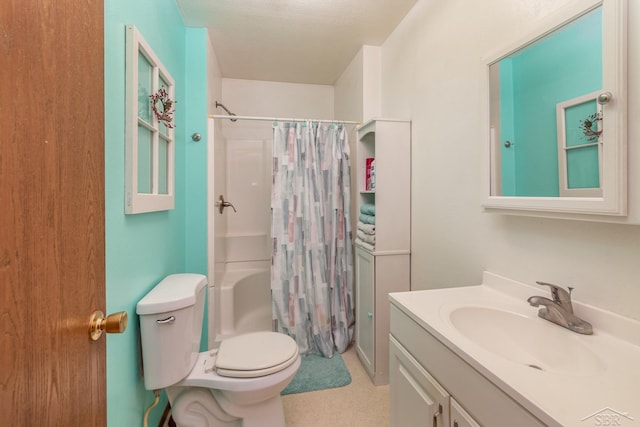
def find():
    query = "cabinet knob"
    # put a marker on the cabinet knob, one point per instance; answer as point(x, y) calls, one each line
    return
point(370, 315)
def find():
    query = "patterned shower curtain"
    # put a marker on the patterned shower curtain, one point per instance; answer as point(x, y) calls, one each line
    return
point(312, 258)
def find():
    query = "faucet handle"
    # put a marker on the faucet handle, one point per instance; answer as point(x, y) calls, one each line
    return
point(559, 294)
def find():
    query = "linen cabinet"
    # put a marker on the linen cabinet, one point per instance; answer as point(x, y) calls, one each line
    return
point(383, 266)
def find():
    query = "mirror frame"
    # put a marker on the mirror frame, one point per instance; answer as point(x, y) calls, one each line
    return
point(614, 159)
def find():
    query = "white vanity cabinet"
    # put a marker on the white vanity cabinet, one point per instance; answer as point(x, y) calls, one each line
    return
point(460, 417)
point(417, 400)
point(430, 384)
point(384, 267)
point(496, 363)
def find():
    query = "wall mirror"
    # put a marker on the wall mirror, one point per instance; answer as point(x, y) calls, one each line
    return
point(556, 113)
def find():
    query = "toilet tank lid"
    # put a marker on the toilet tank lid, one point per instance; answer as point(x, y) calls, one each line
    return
point(172, 293)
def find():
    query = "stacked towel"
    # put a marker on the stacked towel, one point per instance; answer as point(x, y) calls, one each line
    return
point(367, 246)
point(368, 209)
point(367, 219)
point(368, 238)
point(367, 228)
point(366, 231)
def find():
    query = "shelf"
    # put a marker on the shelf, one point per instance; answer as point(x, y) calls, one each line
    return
point(385, 265)
point(389, 143)
point(370, 125)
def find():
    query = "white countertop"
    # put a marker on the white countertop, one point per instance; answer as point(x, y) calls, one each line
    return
point(571, 397)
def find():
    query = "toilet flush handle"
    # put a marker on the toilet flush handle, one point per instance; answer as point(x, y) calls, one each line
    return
point(169, 319)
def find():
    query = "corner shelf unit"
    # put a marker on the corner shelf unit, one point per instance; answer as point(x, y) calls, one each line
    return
point(386, 268)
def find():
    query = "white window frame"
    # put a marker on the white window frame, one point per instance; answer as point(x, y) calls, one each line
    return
point(136, 202)
point(563, 174)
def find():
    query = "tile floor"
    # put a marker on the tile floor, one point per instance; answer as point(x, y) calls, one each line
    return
point(359, 404)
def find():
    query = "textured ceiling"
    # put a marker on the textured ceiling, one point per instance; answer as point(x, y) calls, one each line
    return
point(298, 41)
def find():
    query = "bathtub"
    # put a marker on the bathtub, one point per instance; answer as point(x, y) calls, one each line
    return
point(244, 297)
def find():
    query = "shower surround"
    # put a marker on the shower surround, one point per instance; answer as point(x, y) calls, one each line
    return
point(240, 159)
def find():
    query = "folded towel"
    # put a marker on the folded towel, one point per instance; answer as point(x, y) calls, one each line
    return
point(367, 219)
point(365, 245)
point(367, 228)
point(368, 209)
point(367, 238)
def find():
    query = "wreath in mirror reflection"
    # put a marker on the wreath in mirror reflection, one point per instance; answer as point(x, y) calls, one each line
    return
point(589, 126)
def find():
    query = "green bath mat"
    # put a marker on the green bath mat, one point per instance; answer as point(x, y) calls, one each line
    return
point(318, 373)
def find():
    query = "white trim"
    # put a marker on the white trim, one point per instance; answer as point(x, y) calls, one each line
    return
point(357, 244)
point(495, 180)
point(369, 125)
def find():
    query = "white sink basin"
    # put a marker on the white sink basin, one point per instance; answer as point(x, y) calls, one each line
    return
point(493, 329)
point(532, 342)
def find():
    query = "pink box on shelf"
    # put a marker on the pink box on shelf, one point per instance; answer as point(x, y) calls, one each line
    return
point(367, 180)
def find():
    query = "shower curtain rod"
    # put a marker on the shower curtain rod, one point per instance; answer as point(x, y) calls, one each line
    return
point(281, 119)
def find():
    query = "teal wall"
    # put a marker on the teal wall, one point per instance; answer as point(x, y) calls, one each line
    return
point(195, 169)
point(196, 153)
point(555, 69)
point(142, 249)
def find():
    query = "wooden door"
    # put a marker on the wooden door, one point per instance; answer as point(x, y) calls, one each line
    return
point(51, 212)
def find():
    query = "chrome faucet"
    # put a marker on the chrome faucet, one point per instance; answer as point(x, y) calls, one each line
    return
point(559, 310)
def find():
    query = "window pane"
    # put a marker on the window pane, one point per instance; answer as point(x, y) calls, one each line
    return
point(164, 130)
point(163, 166)
point(145, 81)
point(582, 168)
point(575, 117)
point(145, 169)
point(164, 85)
point(582, 163)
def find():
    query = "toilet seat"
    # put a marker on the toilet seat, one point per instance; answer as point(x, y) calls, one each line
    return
point(255, 355)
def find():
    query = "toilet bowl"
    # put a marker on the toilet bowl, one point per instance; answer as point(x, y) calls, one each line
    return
point(236, 385)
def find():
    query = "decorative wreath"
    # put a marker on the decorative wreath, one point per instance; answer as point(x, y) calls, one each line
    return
point(166, 115)
point(587, 126)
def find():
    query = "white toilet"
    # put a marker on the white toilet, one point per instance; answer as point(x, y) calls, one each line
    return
point(237, 385)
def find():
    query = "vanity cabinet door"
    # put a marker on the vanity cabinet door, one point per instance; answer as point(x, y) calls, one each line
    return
point(417, 400)
point(460, 417)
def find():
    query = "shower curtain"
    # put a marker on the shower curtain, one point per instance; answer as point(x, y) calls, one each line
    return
point(312, 257)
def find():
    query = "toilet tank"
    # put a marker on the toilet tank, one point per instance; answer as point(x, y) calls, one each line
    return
point(170, 328)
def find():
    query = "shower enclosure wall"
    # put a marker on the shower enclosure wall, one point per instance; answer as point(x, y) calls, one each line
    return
point(244, 291)
point(240, 169)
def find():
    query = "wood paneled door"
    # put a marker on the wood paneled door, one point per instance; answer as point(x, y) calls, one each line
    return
point(52, 255)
